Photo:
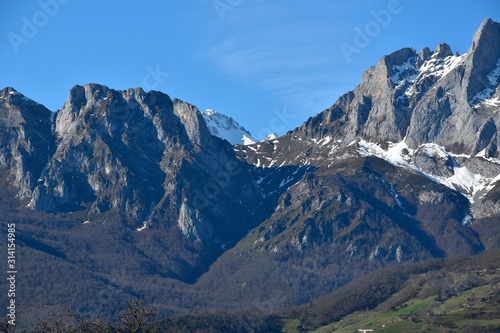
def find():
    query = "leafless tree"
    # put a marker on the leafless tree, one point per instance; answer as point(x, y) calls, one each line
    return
point(137, 318)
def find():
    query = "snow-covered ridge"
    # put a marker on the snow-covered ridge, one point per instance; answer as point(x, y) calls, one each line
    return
point(400, 70)
point(471, 185)
point(410, 75)
point(495, 75)
point(440, 67)
point(227, 128)
point(485, 98)
point(271, 136)
point(13, 92)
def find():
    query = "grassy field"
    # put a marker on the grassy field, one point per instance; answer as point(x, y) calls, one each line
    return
point(476, 309)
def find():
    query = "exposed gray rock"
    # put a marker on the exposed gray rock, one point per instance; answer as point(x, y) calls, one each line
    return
point(481, 166)
point(446, 115)
point(488, 208)
point(423, 56)
point(433, 164)
point(431, 197)
point(434, 98)
point(193, 226)
point(106, 139)
point(482, 59)
point(26, 142)
point(194, 124)
point(443, 50)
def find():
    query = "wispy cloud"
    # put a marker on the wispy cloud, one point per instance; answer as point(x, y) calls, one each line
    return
point(286, 69)
point(248, 60)
point(291, 56)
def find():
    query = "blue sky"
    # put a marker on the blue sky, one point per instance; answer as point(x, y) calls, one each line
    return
point(270, 64)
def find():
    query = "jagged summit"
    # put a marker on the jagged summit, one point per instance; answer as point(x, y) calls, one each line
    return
point(486, 35)
point(484, 62)
point(429, 97)
point(25, 140)
point(13, 96)
point(443, 50)
point(7, 90)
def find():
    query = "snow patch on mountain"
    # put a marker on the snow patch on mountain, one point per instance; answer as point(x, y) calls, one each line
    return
point(400, 70)
point(227, 128)
point(495, 75)
point(441, 66)
point(271, 136)
point(472, 186)
point(485, 98)
point(410, 76)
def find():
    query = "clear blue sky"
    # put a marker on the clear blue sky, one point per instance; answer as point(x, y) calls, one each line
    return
point(270, 64)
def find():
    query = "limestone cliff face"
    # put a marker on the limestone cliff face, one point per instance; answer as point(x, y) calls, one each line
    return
point(461, 109)
point(443, 108)
point(110, 152)
point(25, 140)
point(130, 156)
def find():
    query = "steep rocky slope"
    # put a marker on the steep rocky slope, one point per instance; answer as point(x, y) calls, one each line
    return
point(25, 141)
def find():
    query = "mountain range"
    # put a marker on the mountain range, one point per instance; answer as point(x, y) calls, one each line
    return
point(134, 194)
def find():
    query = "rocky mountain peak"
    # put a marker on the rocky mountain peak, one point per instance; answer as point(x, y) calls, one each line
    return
point(192, 119)
point(87, 103)
point(271, 136)
point(484, 59)
point(227, 128)
point(487, 34)
point(423, 56)
point(398, 58)
point(429, 97)
point(25, 140)
point(443, 50)
point(401, 168)
point(7, 91)
point(12, 97)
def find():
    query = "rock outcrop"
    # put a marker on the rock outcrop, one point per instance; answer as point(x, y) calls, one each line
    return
point(26, 143)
